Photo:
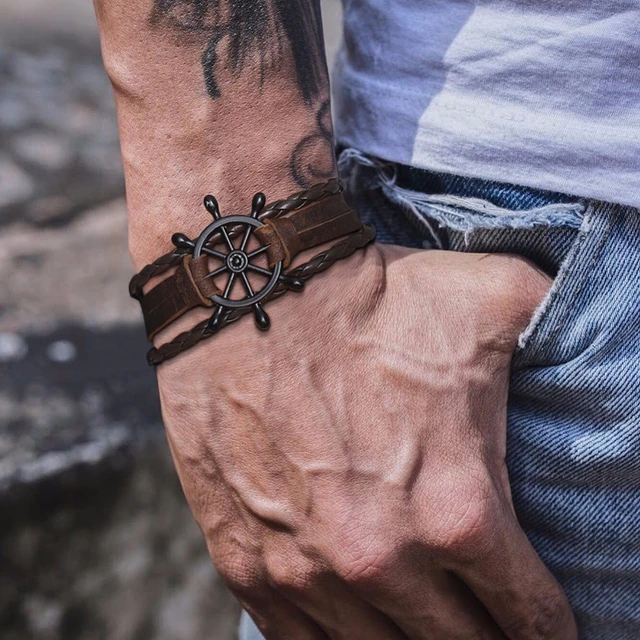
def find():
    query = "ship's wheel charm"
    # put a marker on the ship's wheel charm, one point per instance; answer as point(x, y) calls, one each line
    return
point(238, 261)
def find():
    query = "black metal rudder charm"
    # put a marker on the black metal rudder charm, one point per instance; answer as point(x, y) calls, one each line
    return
point(237, 262)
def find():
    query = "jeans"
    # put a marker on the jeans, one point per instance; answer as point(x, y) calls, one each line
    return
point(574, 404)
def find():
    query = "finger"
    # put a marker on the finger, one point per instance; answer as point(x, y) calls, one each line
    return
point(245, 574)
point(314, 588)
point(423, 601)
point(342, 614)
point(516, 587)
point(279, 619)
point(435, 607)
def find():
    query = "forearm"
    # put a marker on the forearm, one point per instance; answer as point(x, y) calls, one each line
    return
point(214, 96)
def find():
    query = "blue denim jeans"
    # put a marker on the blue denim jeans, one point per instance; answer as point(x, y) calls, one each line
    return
point(574, 404)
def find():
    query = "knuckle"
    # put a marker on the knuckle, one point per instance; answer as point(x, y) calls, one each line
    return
point(519, 286)
point(548, 617)
point(241, 575)
point(366, 562)
point(292, 575)
point(464, 529)
point(553, 614)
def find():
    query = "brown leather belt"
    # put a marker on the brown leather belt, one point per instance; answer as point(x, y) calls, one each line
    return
point(305, 220)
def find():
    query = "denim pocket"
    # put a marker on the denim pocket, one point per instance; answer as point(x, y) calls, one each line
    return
point(550, 338)
point(561, 242)
point(557, 236)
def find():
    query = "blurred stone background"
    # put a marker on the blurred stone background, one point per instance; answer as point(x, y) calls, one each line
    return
point(96, 541)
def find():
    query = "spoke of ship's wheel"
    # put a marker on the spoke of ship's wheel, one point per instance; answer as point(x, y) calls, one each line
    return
point(217, 272)
point(245, 238)
point(257, 252)
point(229, 286)
point(264, 272)
point(227, 239)
point(247, 285)
point(214, 253)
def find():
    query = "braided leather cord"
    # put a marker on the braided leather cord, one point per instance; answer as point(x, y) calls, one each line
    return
point(271, 210)
point(316, 265)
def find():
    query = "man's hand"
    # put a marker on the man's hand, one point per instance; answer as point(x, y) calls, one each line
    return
point(348, 467)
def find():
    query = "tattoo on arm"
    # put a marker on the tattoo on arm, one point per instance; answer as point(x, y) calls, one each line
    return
point(254, 27)
point(263, 30)
point(312, 160)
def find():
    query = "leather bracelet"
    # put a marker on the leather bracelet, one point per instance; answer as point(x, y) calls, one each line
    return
point(274, 209)
point(283, 229)
point(319, 263)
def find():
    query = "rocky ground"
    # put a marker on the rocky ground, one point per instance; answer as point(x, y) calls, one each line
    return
point(95, 539)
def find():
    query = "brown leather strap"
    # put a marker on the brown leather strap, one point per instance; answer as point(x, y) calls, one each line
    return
point(308, 227)
point(319, 263)
point(272, 210)
point(305, 220)
point(187, 288)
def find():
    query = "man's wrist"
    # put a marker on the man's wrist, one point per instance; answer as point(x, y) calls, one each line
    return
point(306, 220)
point(160, 208)
point(275, 147)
